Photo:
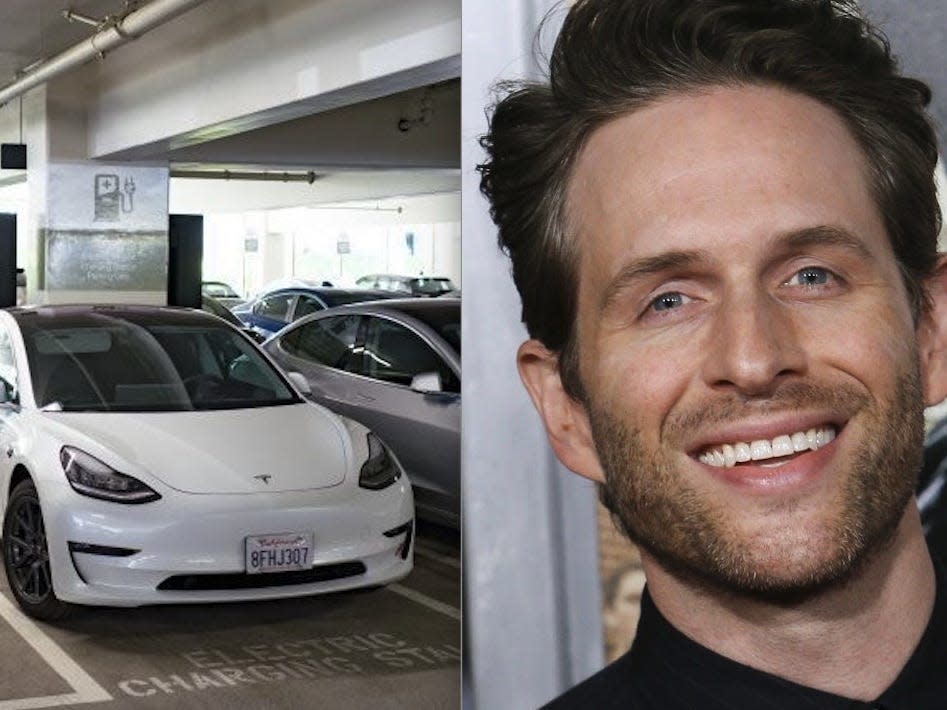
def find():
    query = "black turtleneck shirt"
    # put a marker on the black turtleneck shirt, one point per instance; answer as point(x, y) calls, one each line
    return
point(665, 670)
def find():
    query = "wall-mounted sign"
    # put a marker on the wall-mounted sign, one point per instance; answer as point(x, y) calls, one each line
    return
point(107, 228)
point(95, 195)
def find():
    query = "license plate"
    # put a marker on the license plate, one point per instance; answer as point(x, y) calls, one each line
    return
point(278, 553)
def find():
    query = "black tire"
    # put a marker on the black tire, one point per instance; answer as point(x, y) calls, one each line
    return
point(26, 556)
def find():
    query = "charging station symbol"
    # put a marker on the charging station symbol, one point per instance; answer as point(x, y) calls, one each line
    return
point(112, 198)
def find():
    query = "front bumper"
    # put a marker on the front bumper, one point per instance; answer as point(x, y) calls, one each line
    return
point(200, 539)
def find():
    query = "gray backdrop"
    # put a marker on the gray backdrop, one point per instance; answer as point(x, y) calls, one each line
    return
point(918, 30)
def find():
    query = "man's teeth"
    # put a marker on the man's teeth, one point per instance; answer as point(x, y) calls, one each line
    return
point(762, 450)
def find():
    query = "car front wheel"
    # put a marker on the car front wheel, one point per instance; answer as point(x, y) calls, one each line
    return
point(26, 555)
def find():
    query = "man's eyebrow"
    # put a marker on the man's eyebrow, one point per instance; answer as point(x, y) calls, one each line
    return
point(822, 235)
point(647, 266)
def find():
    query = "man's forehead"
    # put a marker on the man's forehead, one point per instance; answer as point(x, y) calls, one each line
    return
point(675, 161)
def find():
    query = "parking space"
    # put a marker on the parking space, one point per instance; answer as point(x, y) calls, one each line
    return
point(393, 647)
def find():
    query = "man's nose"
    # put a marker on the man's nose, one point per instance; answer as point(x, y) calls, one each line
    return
point(753, 346)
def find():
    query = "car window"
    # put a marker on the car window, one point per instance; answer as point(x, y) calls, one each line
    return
point(393, 353)
point(275, 306)
point(306, 305)
point(326, 341)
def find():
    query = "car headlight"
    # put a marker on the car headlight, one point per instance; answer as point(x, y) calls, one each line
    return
point(379, 470)
point(90, 477)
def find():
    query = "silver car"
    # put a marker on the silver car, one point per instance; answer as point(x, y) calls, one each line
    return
point(395, 367)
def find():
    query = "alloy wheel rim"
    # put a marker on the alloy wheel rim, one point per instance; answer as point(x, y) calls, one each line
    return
point(26, 552)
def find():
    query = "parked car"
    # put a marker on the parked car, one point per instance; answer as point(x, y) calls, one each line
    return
point(223, 292)
point(395, 367)
point(212, 306)
point(411, 285)
point(273, 310)
point(155, 455)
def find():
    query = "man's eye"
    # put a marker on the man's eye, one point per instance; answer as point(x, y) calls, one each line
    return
point(667, 301)
point(810, 276)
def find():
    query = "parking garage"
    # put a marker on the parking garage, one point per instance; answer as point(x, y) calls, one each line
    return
point(153, 146)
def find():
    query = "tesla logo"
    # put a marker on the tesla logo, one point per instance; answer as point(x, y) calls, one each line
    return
point(265, 477)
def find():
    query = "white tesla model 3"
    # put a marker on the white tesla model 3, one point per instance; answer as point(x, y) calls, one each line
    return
point(154, 455)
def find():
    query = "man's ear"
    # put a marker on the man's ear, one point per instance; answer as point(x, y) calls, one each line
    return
point(932, 337)
point(566, 421)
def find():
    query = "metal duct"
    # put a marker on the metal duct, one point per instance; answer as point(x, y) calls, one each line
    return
point(116, 34)
point(261, 175)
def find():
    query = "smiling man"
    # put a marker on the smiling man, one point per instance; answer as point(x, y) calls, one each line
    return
point(736, 202)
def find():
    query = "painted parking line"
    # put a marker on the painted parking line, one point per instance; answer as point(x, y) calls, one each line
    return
point(407, 593)
point(86, 690)
point(436, 556)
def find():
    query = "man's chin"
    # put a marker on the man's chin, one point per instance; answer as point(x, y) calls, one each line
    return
point(787, 573)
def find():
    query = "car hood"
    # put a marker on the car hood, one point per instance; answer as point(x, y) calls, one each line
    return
point(296, 447)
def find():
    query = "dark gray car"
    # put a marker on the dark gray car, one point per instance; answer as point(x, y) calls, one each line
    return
point(395, 367)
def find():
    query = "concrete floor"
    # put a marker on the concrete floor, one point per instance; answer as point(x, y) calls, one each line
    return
point(397, 647)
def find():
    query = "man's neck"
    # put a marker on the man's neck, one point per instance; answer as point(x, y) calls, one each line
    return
point(852, 641)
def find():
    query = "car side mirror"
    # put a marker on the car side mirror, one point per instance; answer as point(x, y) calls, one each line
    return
point(427, 382)
point(300, 382)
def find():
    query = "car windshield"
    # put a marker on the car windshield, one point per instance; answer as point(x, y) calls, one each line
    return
point(125, 366)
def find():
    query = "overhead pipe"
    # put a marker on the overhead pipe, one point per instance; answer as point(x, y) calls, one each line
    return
point(118, 31)
point(261, 175)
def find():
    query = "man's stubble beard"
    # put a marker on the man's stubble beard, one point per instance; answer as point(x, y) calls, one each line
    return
point(693, 539)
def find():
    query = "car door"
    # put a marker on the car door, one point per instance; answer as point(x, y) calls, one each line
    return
point(423, 428)
point(325, 351)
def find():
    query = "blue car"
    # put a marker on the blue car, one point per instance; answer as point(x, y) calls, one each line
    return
point(274, 310)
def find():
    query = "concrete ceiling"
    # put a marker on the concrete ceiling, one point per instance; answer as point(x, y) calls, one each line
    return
point(341, 144)
point(399, 145)
point(33, 30)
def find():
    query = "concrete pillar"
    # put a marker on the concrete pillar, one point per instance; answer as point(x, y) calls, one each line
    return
point(446, 251)
point(95, 232)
